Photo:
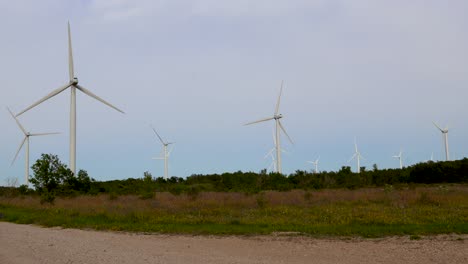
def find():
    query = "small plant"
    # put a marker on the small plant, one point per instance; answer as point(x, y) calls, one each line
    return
point(113, 196)
point(23, 189)
point(261, 200)
point(426, 199)
point(147, 195)
point(235, 222)
point(443, 189)
point(47, 197)
point(388, 188)
point(193, 192)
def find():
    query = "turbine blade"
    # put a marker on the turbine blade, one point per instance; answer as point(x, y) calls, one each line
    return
point(355, 145)
point(17, 122)
point(88, 92)
point(441, 130)
point(70, 55)
point(269, 153)
point(17, 152)
point(258, 121)
point(273, 134)
point(44, 134)
point(279, 99)
point(160, 139)
point(170, 151)
point(50, 95)
point(157, 158)
point(352, 157)
point(284, 130)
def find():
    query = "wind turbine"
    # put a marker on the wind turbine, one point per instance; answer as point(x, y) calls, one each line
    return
point(357, 155)
point(445, 135)
point(73, 85)
point(278, 126)
point(166, 153)
point(315, 163)
point(26, 140)
point(399, 158)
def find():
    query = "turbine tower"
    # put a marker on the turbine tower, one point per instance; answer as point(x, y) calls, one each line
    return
point(278, 126)
point(26, 140)
point(73, 85)
point(271, 153)
point(357, 155)
point(399, 157)
point(445, 135)
point(166, 153)
point(315, 163)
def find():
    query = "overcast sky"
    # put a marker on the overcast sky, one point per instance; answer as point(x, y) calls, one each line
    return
point(380, 71)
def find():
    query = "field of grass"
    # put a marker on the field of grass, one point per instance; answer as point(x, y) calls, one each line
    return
point(370, 212)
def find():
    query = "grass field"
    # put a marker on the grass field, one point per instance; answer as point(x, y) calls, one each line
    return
point(370, 212)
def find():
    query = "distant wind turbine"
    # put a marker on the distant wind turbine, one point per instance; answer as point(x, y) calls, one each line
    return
point(445, 135)
point(272, 166)
point(166, 153)
point(26, 140)
point(271, 153)
point(73, 85)
point(315, 163)
point(357, 155)
point(399, 157)
point(278, 126)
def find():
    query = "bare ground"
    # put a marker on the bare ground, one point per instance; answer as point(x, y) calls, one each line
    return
point(32, 244)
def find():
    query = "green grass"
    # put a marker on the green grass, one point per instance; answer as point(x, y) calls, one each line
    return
point(367, 214)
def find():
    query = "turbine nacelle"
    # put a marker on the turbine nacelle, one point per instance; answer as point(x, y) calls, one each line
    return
point(279, 116)
point(74, 81)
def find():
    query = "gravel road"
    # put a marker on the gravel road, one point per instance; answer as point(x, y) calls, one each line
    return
point(32, 244)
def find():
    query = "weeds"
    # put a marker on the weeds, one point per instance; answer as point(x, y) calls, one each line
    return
point(367, 212)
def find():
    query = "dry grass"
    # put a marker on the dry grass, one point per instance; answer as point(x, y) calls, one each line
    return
point(440, 195)
point(370, 212)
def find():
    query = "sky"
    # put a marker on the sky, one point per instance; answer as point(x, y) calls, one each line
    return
point(197, 70)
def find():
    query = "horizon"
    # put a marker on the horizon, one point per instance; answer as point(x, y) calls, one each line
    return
point(380, 72)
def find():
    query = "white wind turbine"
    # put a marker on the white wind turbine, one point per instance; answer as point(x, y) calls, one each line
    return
point(445, 135)
point(73, 85)
point(399, 157)
point(278, 126)
point(26, 140)
point(357, 155)
point(166, 153)
point(315, 163)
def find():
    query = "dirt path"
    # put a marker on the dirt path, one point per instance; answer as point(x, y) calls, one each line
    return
point(31, 244)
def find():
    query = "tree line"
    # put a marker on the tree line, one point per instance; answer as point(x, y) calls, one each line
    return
point(51, 178)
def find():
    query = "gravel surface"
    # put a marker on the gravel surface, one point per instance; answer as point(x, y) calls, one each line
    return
point(32, 244)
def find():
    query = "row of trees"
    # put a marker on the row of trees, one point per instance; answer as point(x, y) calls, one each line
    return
point(52, 177)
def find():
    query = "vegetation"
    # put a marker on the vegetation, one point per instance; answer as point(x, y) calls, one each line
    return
point(251, 182)
point(370, 212)
point(52, 177)
point(427, 198)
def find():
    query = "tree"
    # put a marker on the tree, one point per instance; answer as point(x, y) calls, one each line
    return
point(52, 177)
point(50, 174)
